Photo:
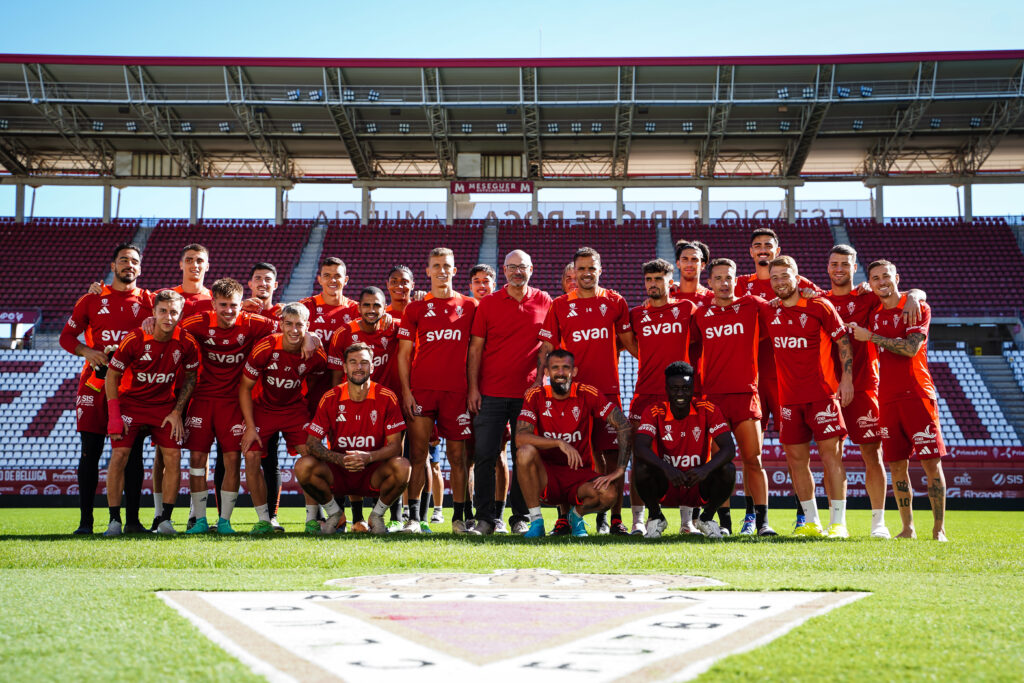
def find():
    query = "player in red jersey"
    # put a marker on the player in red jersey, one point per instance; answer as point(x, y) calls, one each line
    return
point(674, 464)
point(271, 399)
point(140, 389)
point(662, 329)
point(262, 285)
point(729, 329)
point(401, 290)
point(803, 332)
point(103, 320)
point(328, 311)
point(553, 454)
point(588, 321)
point(363, 425)
point(194, 264)
point(858, 306)
point(568, 278)
point(910, 414)
point(691, 258)
point(434, 383)
point(226, 335)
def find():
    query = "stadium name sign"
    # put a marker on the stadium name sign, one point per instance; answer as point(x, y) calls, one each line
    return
point(521, 623)
point(492, 187)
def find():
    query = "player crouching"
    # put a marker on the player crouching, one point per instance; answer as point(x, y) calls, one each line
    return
point(553, 455)
point(685, 473)
point(140, 394)
point(363, 424)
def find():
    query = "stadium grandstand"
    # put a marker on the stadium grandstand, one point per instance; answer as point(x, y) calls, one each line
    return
point(514, 127)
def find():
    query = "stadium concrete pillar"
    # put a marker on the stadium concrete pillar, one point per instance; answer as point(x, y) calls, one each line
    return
point(968, 204)
point(705, 205)
point(193, 209)
point(106, 203)
point(878, 208)
point(534, 206)
point(791, 204)
point(364, 212)
point(278, 205)
point(19, 203)
point(449, 208)
point(620, 208)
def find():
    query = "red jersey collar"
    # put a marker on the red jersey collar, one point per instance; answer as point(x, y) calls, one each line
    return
point(598, 292)
point(549, 392)
point(343, 394)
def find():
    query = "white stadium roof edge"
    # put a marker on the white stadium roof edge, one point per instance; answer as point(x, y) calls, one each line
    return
point(901, 118)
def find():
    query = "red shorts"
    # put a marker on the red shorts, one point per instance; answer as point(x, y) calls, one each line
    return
point(564, 482)
point(737, 408)
point(819, 420)
point(640, 403)
point(214, 418)
point(911, 427)
point(861, 417)
point(603, 436)
point(139, 417)
point(688, 496)
point(768, 393)
point(345, 483)
point(448, 411)
point(90, 408)
point(291, 422)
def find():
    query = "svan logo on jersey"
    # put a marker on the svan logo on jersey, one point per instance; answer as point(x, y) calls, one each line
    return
point(324, 335)
point(683, 461)
point(283, 383)
point(727, 330)
point(155, 377)
point(661, 328)
point(113, 335)
point(444, 335)
point(592, 333)
point(345, 442)
point(790, 343)
point(381, 360)
point(565, 436)
point(226, 358)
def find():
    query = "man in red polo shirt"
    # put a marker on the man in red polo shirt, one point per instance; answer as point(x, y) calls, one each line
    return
point(502, 366)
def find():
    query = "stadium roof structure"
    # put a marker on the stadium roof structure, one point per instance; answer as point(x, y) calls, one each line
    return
point(948, 117)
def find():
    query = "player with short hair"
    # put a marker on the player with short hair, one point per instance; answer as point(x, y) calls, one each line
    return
point(328, 311)
point(140, 390)
point(270, 395)
point(910, 414)
point(401, 287)
point(803, 331)
point(553, 454)
point(363, 425)
point(692, 257)
point(226, 336)
point(437, 328)
point(262, 285)
point(104, 319)
point(568, 277)
point(728, 328)
point(588, 321)
point(194, 264)
point(858, 306)
point(674, 464)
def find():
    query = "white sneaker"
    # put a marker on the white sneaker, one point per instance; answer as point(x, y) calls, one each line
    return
point(165, 528)
point(376, 524)
point(500, 527)
point(437, 517)
point(113, 529)
point(654, 528)
point(411, 527)
point(710, 529)
point(687, 527)
point(639, 529)
point(520, 527)
point(331, 525)
point(880, 532)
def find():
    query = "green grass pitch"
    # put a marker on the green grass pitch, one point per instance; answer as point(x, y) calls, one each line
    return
point(85, 608)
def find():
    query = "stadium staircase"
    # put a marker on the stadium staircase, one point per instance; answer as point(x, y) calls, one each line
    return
point(998, 376)
point(841, 236)
point(666, 246)
point(305, 271)
point(489, 249)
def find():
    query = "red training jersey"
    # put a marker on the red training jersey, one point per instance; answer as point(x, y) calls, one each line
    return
point(802, 336)
point(729, 337)
point(589, 329)
point(384, 341)
point(357, 425)
point(149, 367)
point(508, 362)
point(570, 419)
point(662, 337)
point(281, 375)
point(751, 284)
point(902, 377)
point(439, 328)
point(106, 318)
point(224, 351)
point(324, 318)
point(195, 302)
point(858, 307)
point(686, 443)
point(703, 295)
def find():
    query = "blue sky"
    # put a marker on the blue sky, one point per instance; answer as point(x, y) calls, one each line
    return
point(525, 28)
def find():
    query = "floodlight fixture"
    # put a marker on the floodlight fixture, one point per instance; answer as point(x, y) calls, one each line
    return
point(293, 95)
point(784, 126)
point(858, 124)
point(316, 95)
point(783, 93)
point(596, 127)
point(650, 126)
point(975, 122)
point(132, 126)
point(186, 127)
point(224, 127)
point(371, 127)
point(553, 127)
point(576, 127)
point(502, 127)
point(297, 127)
point(404, 128)
point(373, 95)
point(867, 90)
point(467, 128)
point(808, 93)
point(97, 126)
point(348, 95)
point(687, 126)
point(935, 122)
point(842, 91)
point(751, 126)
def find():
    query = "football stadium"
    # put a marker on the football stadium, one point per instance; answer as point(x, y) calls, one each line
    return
point(553, 367)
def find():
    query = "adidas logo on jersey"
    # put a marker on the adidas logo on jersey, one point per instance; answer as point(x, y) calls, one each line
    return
point(272, 366)
point(145, 357)
point(319, 319)
point(430, 314)
point(210, 341)
point(103, 311)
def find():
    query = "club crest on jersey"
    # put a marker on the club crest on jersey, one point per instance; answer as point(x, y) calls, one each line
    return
point(302, 368)
point(275, 355)
point(211, 332)
point(341, 413)
point(735, 308)
point(240, 338)
point(147, 347)
point(373, 416)
point(104, 301)
point(696, 433)
point(668, 433)
point(895, 318)
point(575, 412)
point(135, 310)
point(603, 308)
point(458, 311)
point(675, 312)
point(319, 309)
point(384, 342)
point(850, 306)
point(803, 320)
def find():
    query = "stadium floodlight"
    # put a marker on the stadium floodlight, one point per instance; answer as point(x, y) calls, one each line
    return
point(553, 127)
point(224, 127)
point(371, 127)
point(975, 122)
point(316, 95)
point(348, 95)
point(576, 127)
point(131, 126)
point(297, 127)
point(467, 128)
point(858, 124)
point(373, 95)
point(842, 91)
point(502, 127)
point(4, 123)
point(808, 93)
point(650, 126)
point(186, 127)
point(687, 126)
point(866, 90)
point(97, 126)
point(596, 127)
point(935, 122)
point(404, 128)
point(783, 93)
point(294, 95)
point(784, 126)
point(751, 126)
